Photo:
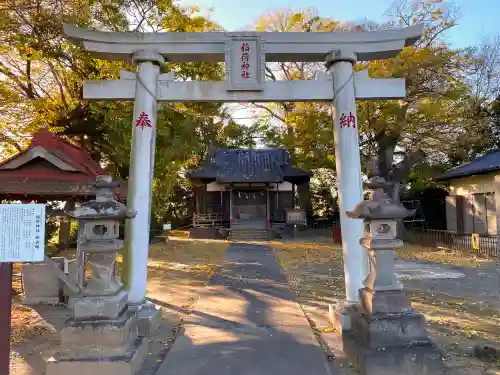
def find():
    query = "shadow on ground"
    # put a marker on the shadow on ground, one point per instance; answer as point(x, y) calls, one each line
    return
point(247, 322)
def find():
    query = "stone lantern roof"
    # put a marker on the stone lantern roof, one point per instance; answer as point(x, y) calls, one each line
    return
point(380, 206)
point(104, 206)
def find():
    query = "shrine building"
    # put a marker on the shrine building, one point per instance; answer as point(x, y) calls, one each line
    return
point(248, 189)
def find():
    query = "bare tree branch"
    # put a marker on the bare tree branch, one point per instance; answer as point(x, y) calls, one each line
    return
point(270, 111)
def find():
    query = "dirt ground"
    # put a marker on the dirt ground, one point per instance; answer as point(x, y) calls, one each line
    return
point(176, 271)
point(461, 312)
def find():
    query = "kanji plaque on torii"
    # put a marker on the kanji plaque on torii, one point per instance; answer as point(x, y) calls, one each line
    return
point(245, 63)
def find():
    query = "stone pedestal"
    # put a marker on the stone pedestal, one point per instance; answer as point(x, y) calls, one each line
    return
point(102, 336)
point(149, 318)
point(386, 336)
point(411, 359)
point(41, 284)
point(109, 346)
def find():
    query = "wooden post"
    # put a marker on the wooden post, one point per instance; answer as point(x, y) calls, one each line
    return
point(277, 195)
point(197, 192)
point(5, 316)
point(268, 209)
point(65, 226)
point(230, 206)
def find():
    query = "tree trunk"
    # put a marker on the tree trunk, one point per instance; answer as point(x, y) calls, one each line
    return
point(386, 144)
point(65, 227)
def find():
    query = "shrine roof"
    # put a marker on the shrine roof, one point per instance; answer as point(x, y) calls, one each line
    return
point(249, 165)
point(50, 167)
point(481, 165)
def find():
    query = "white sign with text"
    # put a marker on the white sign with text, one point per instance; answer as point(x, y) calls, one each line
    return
point(245, 64)
point(22, 232)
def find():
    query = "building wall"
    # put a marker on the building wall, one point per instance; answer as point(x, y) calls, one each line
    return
point(473, 185)
point(471, 205)
point(284, 186)
point(218, 202)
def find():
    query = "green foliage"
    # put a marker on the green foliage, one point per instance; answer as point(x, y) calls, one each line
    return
point(449, 110)
point(442, 114)
point(41, 86)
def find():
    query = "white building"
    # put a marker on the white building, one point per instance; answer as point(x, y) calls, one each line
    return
point(471, 206)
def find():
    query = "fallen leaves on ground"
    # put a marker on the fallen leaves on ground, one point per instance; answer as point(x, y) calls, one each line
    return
point(451, 257)
point(199, 257)
point(315, 271)
point(177, 268)
point(25, 323)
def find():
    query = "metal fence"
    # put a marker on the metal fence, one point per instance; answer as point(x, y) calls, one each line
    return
point(442, 239)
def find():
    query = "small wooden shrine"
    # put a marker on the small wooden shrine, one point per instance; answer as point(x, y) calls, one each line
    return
point(50, 169)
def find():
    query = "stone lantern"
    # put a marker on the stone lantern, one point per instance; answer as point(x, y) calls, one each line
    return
point(103, 332)
point(386, 335)
point(98, 242)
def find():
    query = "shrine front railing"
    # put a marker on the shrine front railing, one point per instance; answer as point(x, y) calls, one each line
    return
point(249, 212)
point(442, 239)
point(207, 220)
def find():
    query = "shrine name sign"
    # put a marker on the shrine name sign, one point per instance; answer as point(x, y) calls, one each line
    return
point(22, 232)
point(245, 63)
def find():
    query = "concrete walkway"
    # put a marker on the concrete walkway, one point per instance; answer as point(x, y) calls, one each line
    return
point(247, 322)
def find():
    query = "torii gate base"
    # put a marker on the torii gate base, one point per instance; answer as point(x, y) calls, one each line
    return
point(245, 55)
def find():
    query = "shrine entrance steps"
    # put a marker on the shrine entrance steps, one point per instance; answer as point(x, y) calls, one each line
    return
point(250, 234)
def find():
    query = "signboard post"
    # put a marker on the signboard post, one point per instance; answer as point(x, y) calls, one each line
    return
point(22, 239)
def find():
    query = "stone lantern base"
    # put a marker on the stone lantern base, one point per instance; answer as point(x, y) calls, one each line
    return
point(104, 341)
point(387, 337)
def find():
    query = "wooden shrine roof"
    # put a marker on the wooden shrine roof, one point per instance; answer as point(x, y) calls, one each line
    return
point(50, 168)
point(249, 165)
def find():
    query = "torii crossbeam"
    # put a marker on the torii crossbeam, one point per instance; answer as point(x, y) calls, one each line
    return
point(245, 55)
point(169, 90)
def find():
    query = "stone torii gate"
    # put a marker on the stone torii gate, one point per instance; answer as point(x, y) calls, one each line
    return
point(245, 55)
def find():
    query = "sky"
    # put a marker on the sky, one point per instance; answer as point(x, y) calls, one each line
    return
point(478, 21)
point(478, 18)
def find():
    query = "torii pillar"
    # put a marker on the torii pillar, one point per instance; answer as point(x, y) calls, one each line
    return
point(141, 173)
point(350, 186)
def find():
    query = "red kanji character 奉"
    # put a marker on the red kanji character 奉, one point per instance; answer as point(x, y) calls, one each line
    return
point(351, 120)
point(343, 121)
point(245, 74)
point(245, 47)
point(143, 121)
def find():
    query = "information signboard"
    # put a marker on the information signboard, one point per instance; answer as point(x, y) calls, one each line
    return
point(475, 241)
point(22, 232)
